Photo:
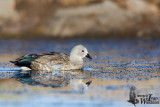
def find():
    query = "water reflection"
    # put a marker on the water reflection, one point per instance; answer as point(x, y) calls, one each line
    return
point(78, 86)
point(54, 79)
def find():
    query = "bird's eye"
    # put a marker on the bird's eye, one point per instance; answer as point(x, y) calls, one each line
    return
point(82, 50)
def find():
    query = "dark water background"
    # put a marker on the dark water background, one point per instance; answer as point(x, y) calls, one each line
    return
point(116, 66)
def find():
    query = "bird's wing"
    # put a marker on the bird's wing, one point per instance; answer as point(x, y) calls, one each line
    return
point(53, 58)
point(43, 58)
point(25, 60)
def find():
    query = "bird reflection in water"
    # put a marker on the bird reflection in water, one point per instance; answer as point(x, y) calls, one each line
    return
point(78, 86)
point(53, 79)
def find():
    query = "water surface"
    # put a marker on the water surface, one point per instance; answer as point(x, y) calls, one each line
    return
point(116, 66)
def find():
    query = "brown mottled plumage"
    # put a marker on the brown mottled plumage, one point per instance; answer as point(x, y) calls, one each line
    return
point(54, 60)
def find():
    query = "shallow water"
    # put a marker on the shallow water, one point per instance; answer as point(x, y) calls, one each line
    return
point(117, 65)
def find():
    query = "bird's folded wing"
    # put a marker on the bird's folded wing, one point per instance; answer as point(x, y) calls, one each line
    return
point(53, 59)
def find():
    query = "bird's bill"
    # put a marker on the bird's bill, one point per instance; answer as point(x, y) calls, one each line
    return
point(88, 56)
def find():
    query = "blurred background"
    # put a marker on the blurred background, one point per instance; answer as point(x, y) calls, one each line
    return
point(79, 18)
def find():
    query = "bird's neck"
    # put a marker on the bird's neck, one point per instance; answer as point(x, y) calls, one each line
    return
point(76, 60)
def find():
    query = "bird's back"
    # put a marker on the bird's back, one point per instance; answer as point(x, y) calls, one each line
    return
point(51, 62)
point(51, 58)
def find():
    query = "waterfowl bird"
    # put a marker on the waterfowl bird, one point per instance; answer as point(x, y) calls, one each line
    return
point(54, 60)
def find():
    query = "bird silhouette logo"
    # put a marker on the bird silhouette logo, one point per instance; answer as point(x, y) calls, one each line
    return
point(132, 96)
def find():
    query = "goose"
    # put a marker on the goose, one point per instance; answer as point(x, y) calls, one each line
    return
point(54, 60)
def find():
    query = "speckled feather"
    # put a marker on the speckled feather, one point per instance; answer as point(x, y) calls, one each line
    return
point(46, 61)
point(54, 60)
